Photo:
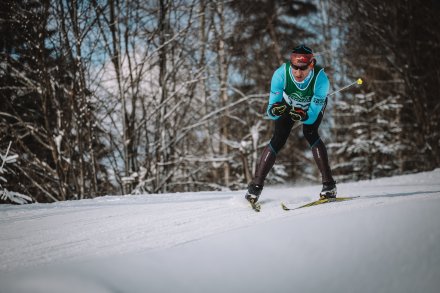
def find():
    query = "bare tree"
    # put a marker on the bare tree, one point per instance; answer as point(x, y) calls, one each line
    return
point(131, 94)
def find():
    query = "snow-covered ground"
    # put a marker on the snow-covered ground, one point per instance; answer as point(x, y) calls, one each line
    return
point(388, 240)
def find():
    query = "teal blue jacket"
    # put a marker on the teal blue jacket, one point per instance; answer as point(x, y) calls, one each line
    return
point(320, 91)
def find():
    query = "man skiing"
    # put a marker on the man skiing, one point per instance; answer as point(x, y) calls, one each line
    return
point(298, 93)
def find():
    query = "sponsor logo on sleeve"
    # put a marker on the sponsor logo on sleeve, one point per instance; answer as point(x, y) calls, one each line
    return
point(318, 101)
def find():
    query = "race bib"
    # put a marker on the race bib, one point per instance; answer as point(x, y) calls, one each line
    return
point(297, 101)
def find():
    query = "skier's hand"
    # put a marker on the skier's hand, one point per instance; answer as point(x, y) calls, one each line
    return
point(279, 108)
point(298, 114)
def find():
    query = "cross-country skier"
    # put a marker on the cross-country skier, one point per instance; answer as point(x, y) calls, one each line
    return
point(298, 93)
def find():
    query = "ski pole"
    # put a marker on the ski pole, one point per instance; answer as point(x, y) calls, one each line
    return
point(358, 81)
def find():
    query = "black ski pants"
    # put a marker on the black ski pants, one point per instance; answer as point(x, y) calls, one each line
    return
point(284, 125)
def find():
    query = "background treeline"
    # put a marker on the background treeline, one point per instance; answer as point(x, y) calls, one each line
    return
point(131, 96)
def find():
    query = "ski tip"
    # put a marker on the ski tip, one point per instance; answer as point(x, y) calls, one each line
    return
point(255, 206)
point(283, 206)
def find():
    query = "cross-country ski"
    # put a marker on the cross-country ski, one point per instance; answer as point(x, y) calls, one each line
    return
point(288, 207)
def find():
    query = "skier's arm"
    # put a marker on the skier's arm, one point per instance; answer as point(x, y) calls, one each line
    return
point(276, 90)
point(322, 86)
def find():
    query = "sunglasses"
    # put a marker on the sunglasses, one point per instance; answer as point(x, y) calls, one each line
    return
point(302, 68)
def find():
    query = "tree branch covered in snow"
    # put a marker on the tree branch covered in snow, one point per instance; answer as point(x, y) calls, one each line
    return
point(5, 194)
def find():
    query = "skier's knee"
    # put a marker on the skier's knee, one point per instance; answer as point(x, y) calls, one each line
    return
point(277, 143)
point(311, 135)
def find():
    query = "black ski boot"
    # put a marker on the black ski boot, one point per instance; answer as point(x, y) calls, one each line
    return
point(328, 190)
point(253, 193)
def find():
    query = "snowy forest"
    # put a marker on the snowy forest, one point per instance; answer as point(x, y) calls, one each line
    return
point(103, 97)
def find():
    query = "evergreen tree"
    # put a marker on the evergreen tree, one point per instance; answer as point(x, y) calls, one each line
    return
point(20, 82)
point(368, 137)
point(392, 46)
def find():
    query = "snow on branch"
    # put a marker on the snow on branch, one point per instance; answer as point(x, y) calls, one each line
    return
point(5, 194)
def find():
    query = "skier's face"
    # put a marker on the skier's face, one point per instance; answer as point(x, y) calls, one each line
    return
point(301, 72)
